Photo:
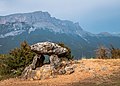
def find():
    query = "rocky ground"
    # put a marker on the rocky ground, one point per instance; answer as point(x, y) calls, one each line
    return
point(88, 72)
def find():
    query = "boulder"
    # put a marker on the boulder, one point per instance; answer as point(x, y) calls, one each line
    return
point(27, 72)
point(47, 71)
point(44, 72)
point(48, 48)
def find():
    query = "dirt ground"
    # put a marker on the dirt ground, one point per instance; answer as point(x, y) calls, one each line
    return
point(88, 72)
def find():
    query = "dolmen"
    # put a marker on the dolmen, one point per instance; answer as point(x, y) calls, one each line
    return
point(38, 70)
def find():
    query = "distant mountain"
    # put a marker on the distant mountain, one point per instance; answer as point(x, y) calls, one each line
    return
point(40, 26)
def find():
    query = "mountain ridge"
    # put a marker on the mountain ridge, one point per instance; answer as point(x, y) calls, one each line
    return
point(42, 27)
point(43, 20)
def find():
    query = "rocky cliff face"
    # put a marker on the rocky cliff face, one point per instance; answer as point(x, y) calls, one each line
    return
point(36, 20)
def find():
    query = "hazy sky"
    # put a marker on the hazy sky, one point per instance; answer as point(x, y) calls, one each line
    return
point(93, 15)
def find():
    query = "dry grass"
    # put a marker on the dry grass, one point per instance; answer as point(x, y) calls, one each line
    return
point(88, 72)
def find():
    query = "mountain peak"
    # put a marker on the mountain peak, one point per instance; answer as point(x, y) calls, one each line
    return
point(40, 13)
point(25, 17)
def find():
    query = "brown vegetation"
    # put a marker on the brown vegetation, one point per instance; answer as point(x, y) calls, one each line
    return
point(104, 53)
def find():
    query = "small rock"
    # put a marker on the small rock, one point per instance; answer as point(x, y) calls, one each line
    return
point(75, 62)
point(35, 78)
point(69, 70)
point(62, 71)
point(104, 68)
point(31, 79)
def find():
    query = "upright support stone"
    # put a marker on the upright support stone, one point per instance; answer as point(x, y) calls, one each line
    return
point(54, 61)
point(38, 61)
point(27, 72)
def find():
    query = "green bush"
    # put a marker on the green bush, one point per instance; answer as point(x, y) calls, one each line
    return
point(68, 54)
point(4, 68)
point(20, 58)
point(13, 64)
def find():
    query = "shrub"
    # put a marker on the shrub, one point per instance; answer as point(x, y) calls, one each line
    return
point(68, 54)
point(105, 53)
point(20, 58)
point(4, 68)
point(102, 53)
point(115, 52)
point(12, 64)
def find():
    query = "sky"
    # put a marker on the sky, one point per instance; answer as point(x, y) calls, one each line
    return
point(93, 15)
